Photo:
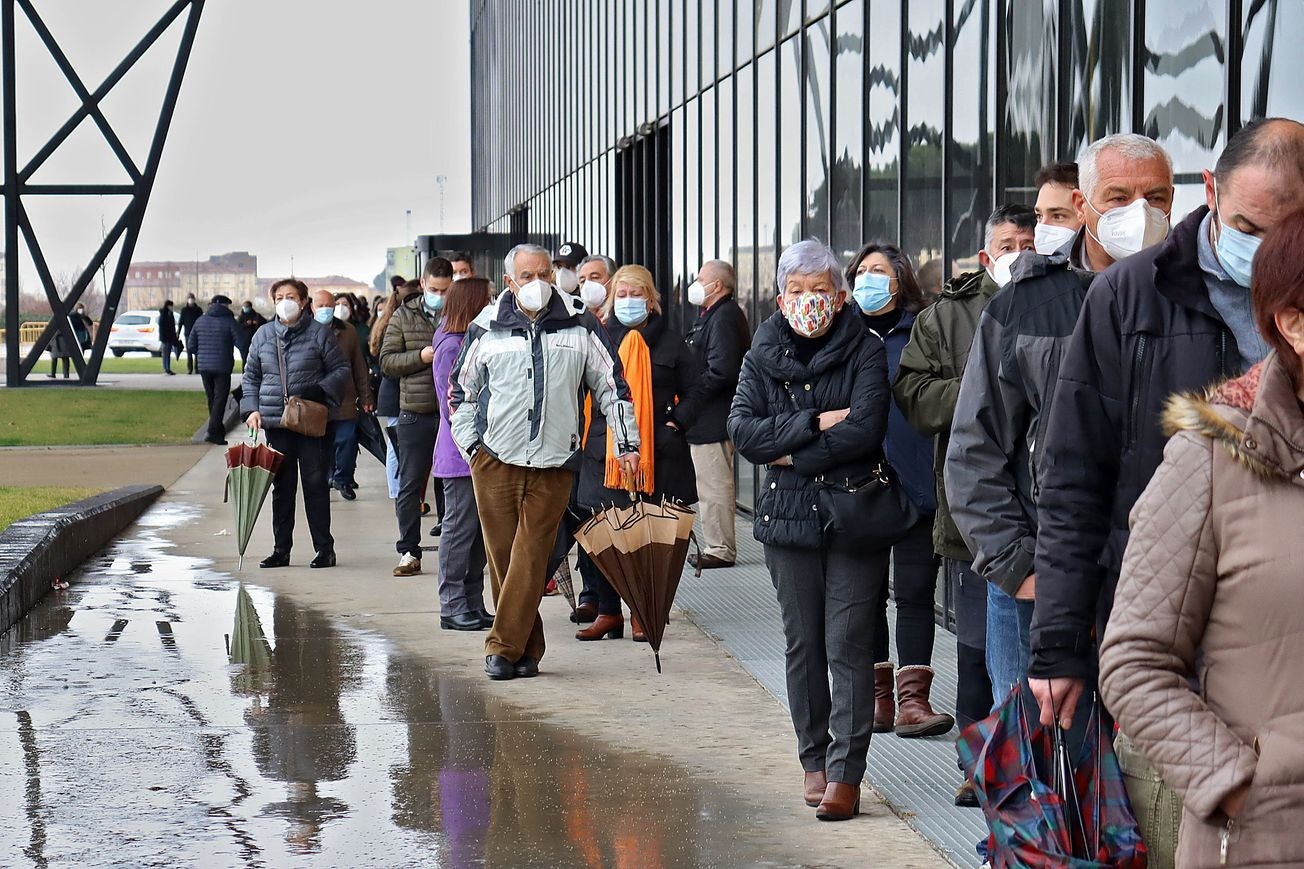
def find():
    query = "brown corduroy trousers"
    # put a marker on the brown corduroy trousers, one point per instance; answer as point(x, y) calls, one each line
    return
point(520, 509)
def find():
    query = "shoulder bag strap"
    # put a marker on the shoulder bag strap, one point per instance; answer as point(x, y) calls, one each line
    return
point(280, 359)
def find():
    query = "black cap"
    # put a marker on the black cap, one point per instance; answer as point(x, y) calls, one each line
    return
point(570, 254)
point(221, 300)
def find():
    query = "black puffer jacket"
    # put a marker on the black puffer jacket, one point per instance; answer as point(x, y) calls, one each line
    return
point(1147, 331)
point(721, 338)
point(215, 338)
point(776, 411)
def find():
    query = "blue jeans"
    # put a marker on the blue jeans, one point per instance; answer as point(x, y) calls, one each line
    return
point(1009, 638)
point(346, 452)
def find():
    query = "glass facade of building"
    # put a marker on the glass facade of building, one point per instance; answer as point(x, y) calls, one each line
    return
point(669, 132)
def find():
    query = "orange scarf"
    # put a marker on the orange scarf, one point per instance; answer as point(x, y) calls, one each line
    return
point(637, 362)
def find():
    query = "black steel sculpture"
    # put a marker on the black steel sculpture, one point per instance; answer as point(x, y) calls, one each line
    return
point(16, 186)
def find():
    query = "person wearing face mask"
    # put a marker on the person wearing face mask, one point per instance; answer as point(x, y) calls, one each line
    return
point(461, 263)
point(215, 339)
point(661, 371)
point(595, 273)
point(335, 313)
point(82, 327)
point(564, 262)
point(1169, 319)
point(190, 315)
point(720, 336)
point(406, 353)
point(249, 319)
point(888, 297)
point(812, 404)
point(167, 335)
point(294, 355)
point(926, 384)
point(516, 416)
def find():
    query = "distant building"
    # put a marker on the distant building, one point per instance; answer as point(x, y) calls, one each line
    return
point(331, 283)
point(401, 261)
point(150, 284)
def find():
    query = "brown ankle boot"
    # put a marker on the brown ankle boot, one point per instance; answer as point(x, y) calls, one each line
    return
point(884, 703)
point(636, 631)
point(815, 786)
point(915, 715)
point(841, 802)
point(603, 628)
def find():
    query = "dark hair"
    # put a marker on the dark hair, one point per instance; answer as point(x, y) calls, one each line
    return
point(1273, 143)
point(1065, 174)
point(910, 297)
point(299, 287)
point(458, 256)
point(1277, 284)
point(396, 281)
point(463, 301)
point(438, 267)
point(168, 303)
point(410, 287)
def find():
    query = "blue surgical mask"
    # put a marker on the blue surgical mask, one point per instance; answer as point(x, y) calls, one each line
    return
point(872, 292)
point(434, 301)
point(631, 312)
point(1235, 249)
point(324, 315)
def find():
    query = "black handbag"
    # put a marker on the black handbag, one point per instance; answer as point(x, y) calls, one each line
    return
point(875, 511)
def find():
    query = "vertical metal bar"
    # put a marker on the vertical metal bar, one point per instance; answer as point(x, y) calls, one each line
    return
point(1064, 75)
point(866, 125)
point(903, 107)
point(803, 88)
point(12, 189)
point(733, 135)
point(1235, 57)
point(1138, 66)
point(948, 122)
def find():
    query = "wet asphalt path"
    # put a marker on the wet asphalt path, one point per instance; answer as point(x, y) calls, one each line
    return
point(128, 737)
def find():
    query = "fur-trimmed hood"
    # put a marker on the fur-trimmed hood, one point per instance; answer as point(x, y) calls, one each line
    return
point(1256, 417)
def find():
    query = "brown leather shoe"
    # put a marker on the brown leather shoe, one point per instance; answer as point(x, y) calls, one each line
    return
point(636, 630)
point(915, 714)
point(603, 628)
point(708, 562)
point(841, 802)
point(584, 613)
point(884, 701)
point(816, 784)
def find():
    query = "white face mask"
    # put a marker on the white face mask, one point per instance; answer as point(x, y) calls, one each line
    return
point(696, 293)
point(344, 312)
point(593, 294)
point(533, 296)
point(1000, 270)
point(1130, 229)
point(288, 310)
point(567, 280)
point(1050, 237)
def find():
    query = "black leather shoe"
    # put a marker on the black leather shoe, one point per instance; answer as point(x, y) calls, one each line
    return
point(486, 618)
point(326, 558)
point(526, 668)
point(217, 442)
point(437, 529)
point(276, 559)
point(348, 493)
point(462, 622)
point(498, 668)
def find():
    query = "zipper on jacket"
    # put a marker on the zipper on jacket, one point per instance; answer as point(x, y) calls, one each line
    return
point(539, 393)
point(1222, 355)
point(1138, 380)
point(1225, 841)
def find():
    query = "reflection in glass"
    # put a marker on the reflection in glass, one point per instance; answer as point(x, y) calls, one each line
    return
point(972, 137)
point(883, 120)
point(765, 10)
point(678, 255)
point(1272, 66)
point(692, 172)
point(922, 235)
point(725, 36)
point(849, 128)
point(818, 88)
point(1100, 70)
point(692, 80)
point(709, 179)
point(767, 217)
point(1030, 67)
point(706, 13)
point(744, 255)
point(725, 210)
point(744, 31)
point(790, 144)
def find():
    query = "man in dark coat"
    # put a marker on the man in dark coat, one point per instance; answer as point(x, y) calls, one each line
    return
point(167, 335)
point(190, 315)
point(1173, 318)
point(214, 339)
point(721, 338)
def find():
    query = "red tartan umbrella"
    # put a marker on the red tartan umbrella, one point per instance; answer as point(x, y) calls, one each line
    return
point(250, 468)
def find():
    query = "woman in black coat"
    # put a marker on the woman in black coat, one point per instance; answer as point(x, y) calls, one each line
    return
point(812, 404)
point(634, 307)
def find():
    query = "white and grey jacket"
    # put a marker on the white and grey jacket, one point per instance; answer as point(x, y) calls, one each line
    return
point(517, 385)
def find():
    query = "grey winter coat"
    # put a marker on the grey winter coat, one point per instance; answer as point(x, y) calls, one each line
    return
point(316, 368)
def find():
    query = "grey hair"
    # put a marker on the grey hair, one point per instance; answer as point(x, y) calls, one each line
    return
point(724, 273)
point(606, 261)
point(810, 257)
point(509, 261)
point(1131, 146)
point(1023, 217)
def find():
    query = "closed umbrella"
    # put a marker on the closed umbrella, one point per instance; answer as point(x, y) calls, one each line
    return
point(250, 468)
point(370, 436)
point(249, 645)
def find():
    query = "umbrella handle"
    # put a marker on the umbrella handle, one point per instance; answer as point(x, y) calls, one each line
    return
point(631, 486)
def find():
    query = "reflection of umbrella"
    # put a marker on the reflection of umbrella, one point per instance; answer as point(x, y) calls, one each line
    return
point(641, 550)
point(248, 643)
point(250, 468)
point(370, 436)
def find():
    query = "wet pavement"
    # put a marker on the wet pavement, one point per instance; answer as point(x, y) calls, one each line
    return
point(129, 736)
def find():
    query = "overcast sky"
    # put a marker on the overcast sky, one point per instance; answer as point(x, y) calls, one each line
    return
point(305, 128)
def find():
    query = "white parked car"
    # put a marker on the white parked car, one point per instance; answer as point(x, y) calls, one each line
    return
point(137, 331)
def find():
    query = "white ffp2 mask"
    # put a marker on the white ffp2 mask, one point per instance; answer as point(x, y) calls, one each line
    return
point(1049, 237)
point(1130, 229)
point(532, 297)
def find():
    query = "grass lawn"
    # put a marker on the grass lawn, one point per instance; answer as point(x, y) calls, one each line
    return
point(19, 503)
point(147, 365)
point(66, 417)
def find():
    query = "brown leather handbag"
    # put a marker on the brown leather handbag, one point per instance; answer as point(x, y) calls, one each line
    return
point(307, 418)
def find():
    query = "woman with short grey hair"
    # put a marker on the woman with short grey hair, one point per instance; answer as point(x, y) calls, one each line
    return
point(812, 405)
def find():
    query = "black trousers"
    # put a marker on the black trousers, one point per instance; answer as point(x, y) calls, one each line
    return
point(592, 578)
point(190, 356)
point(217, 387)
point(973, 701)
point(914, 588)
point(416, 448)
point(307, 459)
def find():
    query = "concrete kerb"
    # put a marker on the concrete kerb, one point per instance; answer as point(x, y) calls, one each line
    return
point(36, 550)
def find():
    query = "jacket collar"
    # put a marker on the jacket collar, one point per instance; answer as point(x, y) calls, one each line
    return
point(1031, 265)
point(651, 331)
point(1256, 417)
point(219, 311)
point(563, 310)
point(776, 345)
point(971, 284)
point(1177, 273)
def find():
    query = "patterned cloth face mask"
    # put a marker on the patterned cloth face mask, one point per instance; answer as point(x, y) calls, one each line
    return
point(809, 314)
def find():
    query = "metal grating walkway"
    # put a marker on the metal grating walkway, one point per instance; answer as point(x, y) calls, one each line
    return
point(918, 777)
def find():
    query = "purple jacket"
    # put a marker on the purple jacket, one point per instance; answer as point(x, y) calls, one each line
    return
point(448, 461)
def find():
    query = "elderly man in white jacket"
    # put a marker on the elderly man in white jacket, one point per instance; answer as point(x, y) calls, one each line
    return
point(516, 415)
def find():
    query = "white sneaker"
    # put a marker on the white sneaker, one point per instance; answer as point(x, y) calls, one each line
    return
point(408, 565)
